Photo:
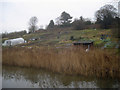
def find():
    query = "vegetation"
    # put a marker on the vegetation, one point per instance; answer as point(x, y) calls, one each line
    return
point(32, 24)
point(51, 25)
point(14, 34)
point(116, 28)
point(106, 16)
point(80, 24)
point(63, 37)
point(73, 61)
point(65, 18)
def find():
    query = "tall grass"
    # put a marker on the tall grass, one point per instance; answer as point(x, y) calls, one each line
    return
point(76, 61)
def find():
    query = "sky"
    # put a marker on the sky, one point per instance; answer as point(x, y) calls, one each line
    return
point(15, 14)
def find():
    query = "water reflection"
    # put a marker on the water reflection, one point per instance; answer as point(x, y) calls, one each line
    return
point(36, 78)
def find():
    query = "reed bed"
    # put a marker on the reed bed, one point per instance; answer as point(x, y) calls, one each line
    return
point(73, 61)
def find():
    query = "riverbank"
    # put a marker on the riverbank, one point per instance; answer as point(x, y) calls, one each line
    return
point(72, 61)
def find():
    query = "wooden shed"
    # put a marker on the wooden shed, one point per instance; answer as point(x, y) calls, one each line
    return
point(83, 43)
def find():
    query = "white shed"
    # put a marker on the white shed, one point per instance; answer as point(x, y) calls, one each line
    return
point(12, 42)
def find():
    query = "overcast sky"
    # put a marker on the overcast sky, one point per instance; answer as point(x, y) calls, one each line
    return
point(15, 14)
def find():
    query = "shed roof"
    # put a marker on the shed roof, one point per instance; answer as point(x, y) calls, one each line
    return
point(84, 42)
point(16, 39)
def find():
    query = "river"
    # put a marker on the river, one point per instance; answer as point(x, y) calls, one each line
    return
point(17, 77)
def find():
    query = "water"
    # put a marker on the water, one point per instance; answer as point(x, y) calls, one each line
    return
point(16, 77)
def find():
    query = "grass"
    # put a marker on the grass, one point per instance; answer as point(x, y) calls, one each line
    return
point(72, 61)
point(62, 37)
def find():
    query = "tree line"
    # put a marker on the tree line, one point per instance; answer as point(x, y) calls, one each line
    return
point(106, 17)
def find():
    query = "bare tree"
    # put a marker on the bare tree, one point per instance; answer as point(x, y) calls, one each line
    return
point(32, 24)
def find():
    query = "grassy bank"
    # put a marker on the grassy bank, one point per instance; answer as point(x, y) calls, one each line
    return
point(76, 61)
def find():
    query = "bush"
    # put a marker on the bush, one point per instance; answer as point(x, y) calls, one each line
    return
point(72, 38)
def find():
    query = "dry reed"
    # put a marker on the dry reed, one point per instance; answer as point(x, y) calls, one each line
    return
point(76, 61)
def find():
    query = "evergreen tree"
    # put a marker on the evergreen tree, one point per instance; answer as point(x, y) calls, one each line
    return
point(51, 25)
point(65, 18)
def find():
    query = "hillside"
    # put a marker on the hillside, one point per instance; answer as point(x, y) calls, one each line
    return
point(67, 37)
